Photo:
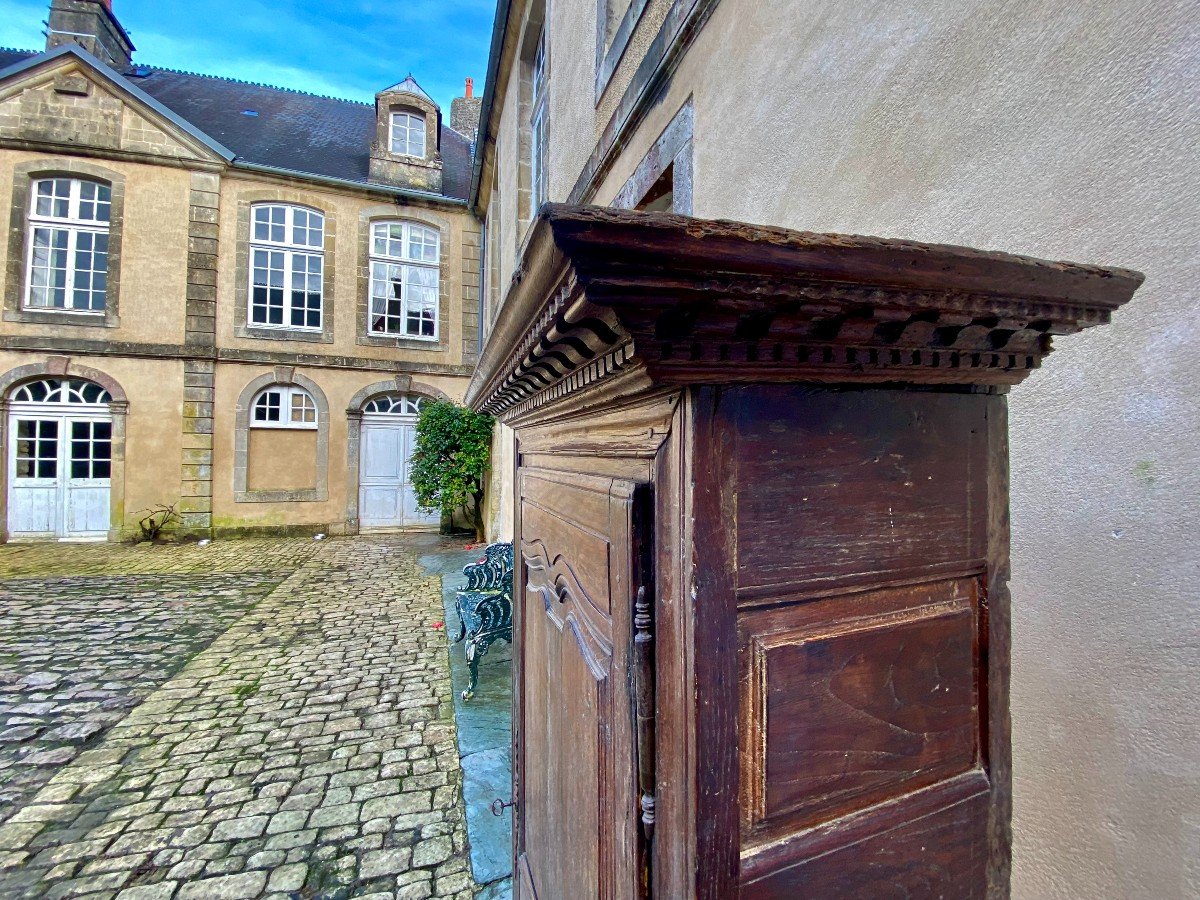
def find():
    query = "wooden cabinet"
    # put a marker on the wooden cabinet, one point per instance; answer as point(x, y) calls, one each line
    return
point(761, 614)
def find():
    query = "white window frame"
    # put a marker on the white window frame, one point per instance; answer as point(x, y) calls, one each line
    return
point(73, 224)
point(385, 266)
point(538, 127)
point(398, 405)
point(286, 393)
point(408, 122)
point(292, 257)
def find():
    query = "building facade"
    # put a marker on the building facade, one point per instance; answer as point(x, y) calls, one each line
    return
point(221, 297)
point(1058, 131)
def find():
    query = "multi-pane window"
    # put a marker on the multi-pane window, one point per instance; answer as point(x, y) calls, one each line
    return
point(404, 280)
point(91, 449)
point(37, 448)
point(538, 118)
point(408, 134)
point(395, 405)
point(74, 391)
point(284, 407)
point(68, 245)
point(287, 266)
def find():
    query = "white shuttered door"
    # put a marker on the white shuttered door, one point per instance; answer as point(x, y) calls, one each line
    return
point(386, 496)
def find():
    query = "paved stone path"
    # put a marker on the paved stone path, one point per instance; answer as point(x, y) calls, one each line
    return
point(307, 751)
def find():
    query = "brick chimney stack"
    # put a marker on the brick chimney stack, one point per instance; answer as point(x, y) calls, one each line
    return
point(464, 111)
point(92, 25)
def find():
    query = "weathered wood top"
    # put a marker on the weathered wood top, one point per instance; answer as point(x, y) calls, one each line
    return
point(687, 301)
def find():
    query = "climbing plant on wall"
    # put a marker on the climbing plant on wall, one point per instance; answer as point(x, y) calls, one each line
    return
point(451, 459)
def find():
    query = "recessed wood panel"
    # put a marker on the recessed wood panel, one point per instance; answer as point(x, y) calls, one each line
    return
point(862, 485)
point(857, 712)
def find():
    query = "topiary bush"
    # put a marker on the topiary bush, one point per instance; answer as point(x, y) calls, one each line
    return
point(450, 459)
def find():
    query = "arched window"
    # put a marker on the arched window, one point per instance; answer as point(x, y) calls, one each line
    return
point(283, 406)
point(68, 391)
point(395, 405)
point(68, 245)
point(408, 134)
point(287, 266)
point(404, 280)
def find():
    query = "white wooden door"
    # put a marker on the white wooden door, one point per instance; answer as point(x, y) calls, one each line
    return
point(59, 476)
point(386, 497)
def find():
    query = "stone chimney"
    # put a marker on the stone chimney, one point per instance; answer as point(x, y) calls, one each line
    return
point(464, 112)
point(92, 25)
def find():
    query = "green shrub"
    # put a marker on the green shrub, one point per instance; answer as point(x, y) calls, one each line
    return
point(451, 459)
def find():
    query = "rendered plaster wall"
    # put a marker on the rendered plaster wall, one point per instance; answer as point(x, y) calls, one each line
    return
point(1063, 130)
point(282, 459)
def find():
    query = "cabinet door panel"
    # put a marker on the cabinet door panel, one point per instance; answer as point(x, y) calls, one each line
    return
point(577, 806)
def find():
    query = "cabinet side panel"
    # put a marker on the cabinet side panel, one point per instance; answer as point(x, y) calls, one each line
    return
point(861, 544)
point(838, 486)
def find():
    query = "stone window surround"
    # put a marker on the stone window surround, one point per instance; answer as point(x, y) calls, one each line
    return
point(413, 105)
point(285, 375)
point(241, 307)
point(401, 384)
point(531, 31)
point(672, 150)
point(24, 175)
point(391, 212)
point(609, 53)
point(60, 367)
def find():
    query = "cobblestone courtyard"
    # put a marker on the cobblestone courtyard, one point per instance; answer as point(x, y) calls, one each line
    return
point(247, 719)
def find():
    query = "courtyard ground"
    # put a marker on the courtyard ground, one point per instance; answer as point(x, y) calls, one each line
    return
point(253, 718)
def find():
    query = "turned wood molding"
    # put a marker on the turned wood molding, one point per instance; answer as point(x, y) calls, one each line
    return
point(654, 300)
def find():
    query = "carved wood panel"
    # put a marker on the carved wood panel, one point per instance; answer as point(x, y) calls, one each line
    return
point(575, 737)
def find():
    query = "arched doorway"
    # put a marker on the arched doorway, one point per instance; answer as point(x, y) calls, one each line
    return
point(386, 498)
point(60, 459)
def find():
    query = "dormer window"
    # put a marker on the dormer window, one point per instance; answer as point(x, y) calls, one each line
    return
point(408, 134)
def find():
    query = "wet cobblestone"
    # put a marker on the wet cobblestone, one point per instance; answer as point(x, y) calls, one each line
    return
point(308, 751)
point(76, 654)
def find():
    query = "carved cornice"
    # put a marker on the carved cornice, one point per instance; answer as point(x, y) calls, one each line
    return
point(692, 301)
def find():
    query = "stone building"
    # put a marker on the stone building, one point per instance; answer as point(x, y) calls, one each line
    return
point(224, 296)
point(1058, 130)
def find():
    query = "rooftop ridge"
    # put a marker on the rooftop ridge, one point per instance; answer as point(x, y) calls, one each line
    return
point(261, 84)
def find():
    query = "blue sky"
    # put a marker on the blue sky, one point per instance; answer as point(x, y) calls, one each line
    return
point(349, 49)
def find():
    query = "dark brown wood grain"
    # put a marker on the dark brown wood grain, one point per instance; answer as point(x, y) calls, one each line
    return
point(860, 484)
point(931, 847)
point(996, 656)
point(706, 302)
point(710, 581)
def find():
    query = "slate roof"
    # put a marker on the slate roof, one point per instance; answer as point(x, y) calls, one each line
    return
point(292, 130)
